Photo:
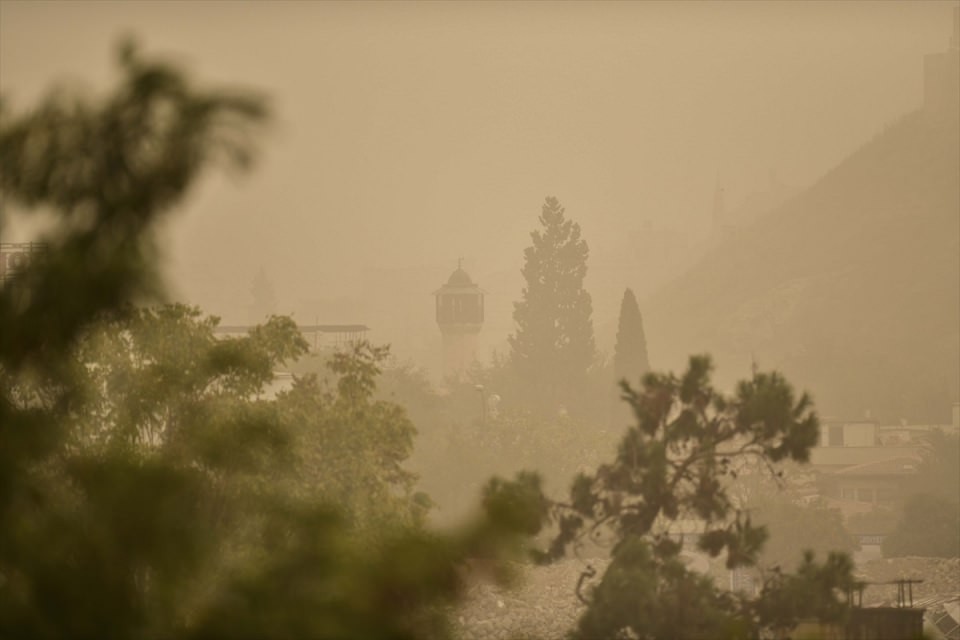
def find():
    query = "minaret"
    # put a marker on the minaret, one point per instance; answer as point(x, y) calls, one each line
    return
point(460, 316)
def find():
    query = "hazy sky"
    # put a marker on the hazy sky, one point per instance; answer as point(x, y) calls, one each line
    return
point(408, 135)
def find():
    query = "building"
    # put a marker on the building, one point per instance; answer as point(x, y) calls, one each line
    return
point(459, 309)
point(864, 469)
point(901, 621)
point(860, 466)
point(319, 336)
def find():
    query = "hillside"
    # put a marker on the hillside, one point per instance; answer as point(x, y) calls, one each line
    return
point(851, 288)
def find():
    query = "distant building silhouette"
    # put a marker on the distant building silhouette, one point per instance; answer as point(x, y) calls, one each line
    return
point(941, 77)
point(460, 316)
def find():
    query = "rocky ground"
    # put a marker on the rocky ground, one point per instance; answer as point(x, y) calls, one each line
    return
point(940, 577)
point(543, 605)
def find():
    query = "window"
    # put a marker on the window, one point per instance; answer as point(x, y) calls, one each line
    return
point(864, 495)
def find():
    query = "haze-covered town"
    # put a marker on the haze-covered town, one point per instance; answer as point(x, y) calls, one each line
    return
point(479, 320)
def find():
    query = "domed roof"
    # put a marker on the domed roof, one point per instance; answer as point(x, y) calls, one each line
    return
point(459, 278)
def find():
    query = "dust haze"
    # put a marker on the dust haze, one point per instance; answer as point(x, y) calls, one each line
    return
point(411, 135)
point(774, 184)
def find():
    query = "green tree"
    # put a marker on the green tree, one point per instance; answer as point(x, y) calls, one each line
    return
point(928, 521)
point(630, 361)
point(647, 592)
point(929, 525)
point(553, 347)
point(94, 529)
point(671, 473)
point(110, 169)
point(792, 521)
point(792, 526)
point(940, 467)
point(163, 466)
point(158, 379)
point(359, 469)
point(809, 592)
point(144, 472)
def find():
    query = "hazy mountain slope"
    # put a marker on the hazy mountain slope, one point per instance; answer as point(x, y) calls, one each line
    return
point(852, 288)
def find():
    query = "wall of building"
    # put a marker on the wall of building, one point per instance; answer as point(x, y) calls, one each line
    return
point(459, 352)
point(850, 434)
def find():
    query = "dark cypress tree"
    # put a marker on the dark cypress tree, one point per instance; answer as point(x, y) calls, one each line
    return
point(553, 346)
point(630, 361)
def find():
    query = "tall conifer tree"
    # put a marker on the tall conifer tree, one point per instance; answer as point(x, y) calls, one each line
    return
point(630, 360)
point(553, 346)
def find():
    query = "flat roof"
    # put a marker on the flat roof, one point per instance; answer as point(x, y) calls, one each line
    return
point(305, 328)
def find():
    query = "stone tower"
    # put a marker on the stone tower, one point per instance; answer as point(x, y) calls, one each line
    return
point(460, 316)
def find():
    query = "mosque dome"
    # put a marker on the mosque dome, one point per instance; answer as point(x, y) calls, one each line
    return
point(459, 278)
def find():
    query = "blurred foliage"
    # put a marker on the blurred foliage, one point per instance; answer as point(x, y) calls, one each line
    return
point(110, 169)
point(808, 593)
point(928, 521)
point(939, 470)
point(671, 476)
point(648, 592)
point(149, 486)
point(714, 460)
point(355, 445)
point(880, 520)
point(929, 525)
point(456, 462)
point(791, 526)
point(792, 521)
point(479, 426)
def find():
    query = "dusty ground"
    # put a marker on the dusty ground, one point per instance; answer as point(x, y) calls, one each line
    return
point(940, 577)
point(543, 606)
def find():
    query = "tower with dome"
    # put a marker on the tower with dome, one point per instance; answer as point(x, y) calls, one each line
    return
point(459, 309)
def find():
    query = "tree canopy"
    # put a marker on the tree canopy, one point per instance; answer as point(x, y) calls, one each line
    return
point(630, 360)
point(93, 521)
point(553, 346)
point(671, 478)
point(929, 525)
point(110, 169)
point(150, 486)
point(792, 525)
point(928, 521)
